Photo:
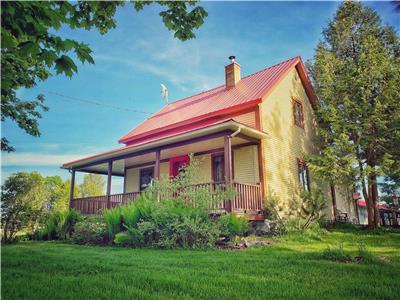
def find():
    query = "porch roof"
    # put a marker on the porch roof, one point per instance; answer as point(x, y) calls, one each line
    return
point(98, 163)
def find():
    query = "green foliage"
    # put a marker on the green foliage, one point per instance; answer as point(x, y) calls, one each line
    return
point(173, 224)
point(356, 71)
point(130, 215)
point(22, 203)
point(336, 254)
point(27, 198)
point(31, 48)
point(182, 188)
point(231, 225)
point(167, 224)
point(92, 185)
point(305, 211)
point(90, 230)
point(363, 254)
point(125, 239)
point(113, 218)
point(311, 206)
point(58, 226)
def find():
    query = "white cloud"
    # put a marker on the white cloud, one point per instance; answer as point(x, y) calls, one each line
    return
point(37, 159)
point(177, 62)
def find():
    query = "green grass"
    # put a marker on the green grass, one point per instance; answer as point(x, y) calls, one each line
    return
point(292, 269)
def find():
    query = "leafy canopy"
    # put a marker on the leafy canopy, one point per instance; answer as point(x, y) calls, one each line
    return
point(31, 49)
point(356, 74)
point(27, 198)
point(92, 185)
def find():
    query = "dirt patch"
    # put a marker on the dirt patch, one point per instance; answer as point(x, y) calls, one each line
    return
point(244, 243)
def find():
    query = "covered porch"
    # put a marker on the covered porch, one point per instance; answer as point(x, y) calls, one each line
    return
point(228, 152)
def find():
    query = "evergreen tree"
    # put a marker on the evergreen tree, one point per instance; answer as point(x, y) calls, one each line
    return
point(356, 75)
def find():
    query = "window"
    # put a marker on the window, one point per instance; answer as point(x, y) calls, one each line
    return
point(218, 167)
point(303, 175)
point(298, 113)
point(146, 178)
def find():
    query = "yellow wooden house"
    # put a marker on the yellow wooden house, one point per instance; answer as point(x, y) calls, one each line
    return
point(251, 131)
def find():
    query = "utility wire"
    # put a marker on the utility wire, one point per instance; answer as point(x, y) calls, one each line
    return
point(96, 103)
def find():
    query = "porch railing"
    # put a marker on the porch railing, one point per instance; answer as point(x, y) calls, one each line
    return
point(94, 205)
point(247, 198)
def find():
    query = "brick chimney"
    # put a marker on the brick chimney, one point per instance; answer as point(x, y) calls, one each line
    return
point(232, 73)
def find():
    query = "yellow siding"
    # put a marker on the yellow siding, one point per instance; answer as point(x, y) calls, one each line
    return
point(204, 168)
point(245, 162)
point(344, 202)
point(287, 142)
point(132, 180)
point(248, 119)
point(164, 169)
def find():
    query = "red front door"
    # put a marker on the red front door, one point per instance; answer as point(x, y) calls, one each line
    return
point(177, 163)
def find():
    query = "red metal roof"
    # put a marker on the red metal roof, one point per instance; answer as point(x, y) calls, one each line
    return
point(215, 102)
point(361, 202)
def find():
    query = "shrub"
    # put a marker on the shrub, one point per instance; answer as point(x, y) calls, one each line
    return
point(113, 219)
point(173, 224)
point(90, 230)
point(336, 254)
point(58, 226)
point(130, 215)
point(167, 224)
point(181, 188)
point(125, 239)
point(231, 225)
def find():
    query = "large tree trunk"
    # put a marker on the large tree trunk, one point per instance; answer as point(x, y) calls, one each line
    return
point(372, 185)
point(375, 202)
point(333, 195)
point(370, 207)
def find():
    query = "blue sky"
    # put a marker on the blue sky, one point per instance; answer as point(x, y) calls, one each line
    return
point(133, 59)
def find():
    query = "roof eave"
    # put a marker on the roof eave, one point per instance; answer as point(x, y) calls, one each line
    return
point(118, 153)
point(221, 112)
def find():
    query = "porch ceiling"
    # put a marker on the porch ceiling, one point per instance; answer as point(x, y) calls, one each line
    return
point(192, 142)
point(199, 147)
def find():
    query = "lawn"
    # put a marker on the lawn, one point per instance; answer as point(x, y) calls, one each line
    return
point(291, 269)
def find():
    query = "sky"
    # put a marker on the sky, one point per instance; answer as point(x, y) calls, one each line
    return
point(132, 60)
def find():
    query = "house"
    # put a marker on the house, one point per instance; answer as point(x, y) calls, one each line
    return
point(251, 131)
point(389, 214)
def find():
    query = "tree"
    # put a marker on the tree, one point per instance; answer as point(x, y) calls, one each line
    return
point(22, 200)
point(356, 71)
point(31, 49)
point(57, 193)
point(92, 185)
point(28, 199)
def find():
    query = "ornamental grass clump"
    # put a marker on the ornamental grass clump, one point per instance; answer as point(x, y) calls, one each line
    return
point(113, 218)
point(231, 225)
point(58, 226)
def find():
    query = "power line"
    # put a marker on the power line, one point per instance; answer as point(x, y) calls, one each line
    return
point(67, 98)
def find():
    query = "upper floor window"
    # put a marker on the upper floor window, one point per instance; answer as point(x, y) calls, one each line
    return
point(304, 177)
point(298, 113)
